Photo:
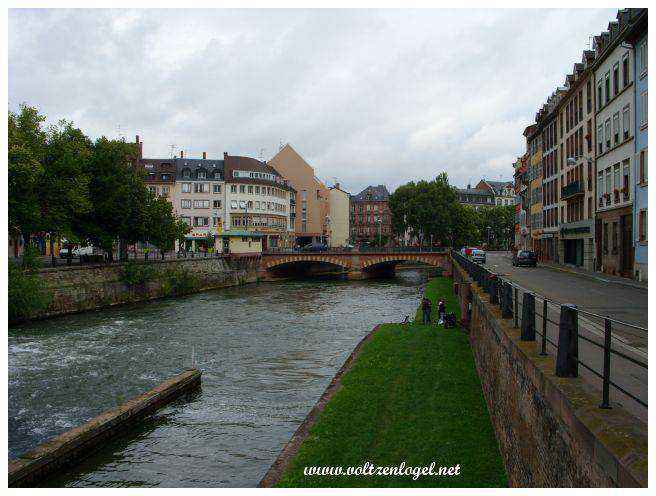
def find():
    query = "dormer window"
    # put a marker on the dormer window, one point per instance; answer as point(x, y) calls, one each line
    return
point(186, 173)
point(201, 174)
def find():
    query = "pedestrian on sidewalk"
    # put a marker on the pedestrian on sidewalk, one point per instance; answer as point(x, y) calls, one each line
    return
point(426, 310)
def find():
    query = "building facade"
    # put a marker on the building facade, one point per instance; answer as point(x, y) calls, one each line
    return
point(199, 200)
point(257, 200)
point(311, 199)
point(638, 38)
point(475, 197)
point(339, 217)
point(522, 206)
point(534, 179)
point(576, 156)
point(615, 152)
point(370, 217)
point(503, 191)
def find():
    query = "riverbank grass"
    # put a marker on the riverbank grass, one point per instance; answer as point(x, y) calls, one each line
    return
point(412, 396)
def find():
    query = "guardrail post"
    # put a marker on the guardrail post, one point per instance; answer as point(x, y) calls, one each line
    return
point(494, 295)
point(506, 303)
point(605, 402)
point(543, 351)
point(528, 317)
point(567, 364)
point(515, 308)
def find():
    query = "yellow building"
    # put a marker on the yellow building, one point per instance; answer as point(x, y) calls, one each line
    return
point(338, 225)
point(236, 242)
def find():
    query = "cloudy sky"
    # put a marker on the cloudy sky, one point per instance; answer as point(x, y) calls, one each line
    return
point(365, 96)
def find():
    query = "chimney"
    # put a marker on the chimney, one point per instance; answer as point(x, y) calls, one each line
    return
point(336, 185)
point(137, 139)
point(225, 155)
point(181, 154)
point(468, 186)
point(204, 155)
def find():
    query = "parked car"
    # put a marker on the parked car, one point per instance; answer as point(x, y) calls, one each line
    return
point(315, 247)
point(478, 256)
point(78, 251)
point(524, 258)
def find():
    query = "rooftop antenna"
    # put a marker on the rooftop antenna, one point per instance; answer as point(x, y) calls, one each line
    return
point(261, 155)
point(590, 38)
point(119, 132)
point(172, 147)
point(280, 145)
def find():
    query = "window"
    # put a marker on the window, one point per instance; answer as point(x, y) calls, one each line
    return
point(186, 187)
point(616, 128)
point(201, 221)
point(616, 176)
point(186, 220)
point(600, 138)
point(250, 190)
point(643, 109)
point(626, 176)
point(607, 134)
point(201, 188)
point(186, 173)
point(609, 185)
point(257, 190)
point(600, 94)
point(152, 189)
point(233, 188)
point(588, 94)
point(216, 221)
point(201, 204)
point(233, 205)
point(242, 188)
point(642, 226)
point(607, 86)
point(201, 174)
point(625, 70)
point(216, 188)
point(616, 79)
point(643, 167)
point(642, 57)
point(185, 203)
point(626, 117)
point(216, 204)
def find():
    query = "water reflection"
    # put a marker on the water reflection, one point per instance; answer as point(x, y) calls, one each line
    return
point(267, 352)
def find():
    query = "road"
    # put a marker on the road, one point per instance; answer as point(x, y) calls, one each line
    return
point(620, 302)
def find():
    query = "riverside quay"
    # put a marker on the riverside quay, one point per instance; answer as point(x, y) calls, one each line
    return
point(287, 249)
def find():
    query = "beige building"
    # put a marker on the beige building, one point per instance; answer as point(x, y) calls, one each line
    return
point(338, 225)
point(312, 197)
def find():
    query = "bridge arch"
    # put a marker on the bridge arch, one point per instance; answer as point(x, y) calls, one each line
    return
point(342, 263)
point(379, 261)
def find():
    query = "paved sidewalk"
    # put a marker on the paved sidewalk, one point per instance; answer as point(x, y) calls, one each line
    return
point(597, 276)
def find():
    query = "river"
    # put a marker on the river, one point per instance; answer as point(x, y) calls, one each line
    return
point(267, 352)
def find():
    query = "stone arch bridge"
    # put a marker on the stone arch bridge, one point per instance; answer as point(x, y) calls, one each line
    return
point(355, 265)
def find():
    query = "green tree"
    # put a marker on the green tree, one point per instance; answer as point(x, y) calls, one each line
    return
point(162, 227)
point(64, 185)
point(115, 194)
point(26, 151)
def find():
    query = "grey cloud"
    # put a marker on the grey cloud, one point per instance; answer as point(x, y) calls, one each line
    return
point(366, 96)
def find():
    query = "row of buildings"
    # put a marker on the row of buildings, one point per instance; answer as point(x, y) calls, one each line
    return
point(240, 204)
point(582, 181)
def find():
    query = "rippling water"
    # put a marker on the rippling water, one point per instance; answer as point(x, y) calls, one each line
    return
point(267, 353)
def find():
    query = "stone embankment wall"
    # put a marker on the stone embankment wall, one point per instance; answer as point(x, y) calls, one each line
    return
point(551, 431)
point(76, 444)
point(81, 288)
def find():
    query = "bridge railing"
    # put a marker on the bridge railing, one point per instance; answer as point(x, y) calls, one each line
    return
point(368, 249)
point(605, 364)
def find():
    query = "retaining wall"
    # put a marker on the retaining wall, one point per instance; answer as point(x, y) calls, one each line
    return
point(81, 288)
point(66, 449)
point(551, 431)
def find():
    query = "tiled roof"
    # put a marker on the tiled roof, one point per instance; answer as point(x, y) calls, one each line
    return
point(372, 193)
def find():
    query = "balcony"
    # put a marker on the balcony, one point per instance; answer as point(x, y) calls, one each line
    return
point(572, 189)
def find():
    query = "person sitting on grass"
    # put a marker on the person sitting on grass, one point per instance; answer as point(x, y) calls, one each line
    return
point(441, 311)
point(426, 310)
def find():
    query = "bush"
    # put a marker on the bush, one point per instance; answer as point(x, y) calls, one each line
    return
point(136, 274)
point(181, 281)
point(27, 296)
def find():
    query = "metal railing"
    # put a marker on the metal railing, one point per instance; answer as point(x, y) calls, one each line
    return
point(571, 320)
point(363, 249)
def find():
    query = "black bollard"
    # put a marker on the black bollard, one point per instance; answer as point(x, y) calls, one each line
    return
point(506, 302)
point(567, 364)
point(492, 289)
point(528, 317)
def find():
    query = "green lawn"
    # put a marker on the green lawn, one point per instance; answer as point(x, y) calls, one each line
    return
point(413, 395)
